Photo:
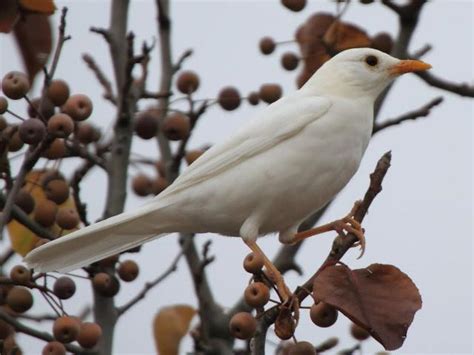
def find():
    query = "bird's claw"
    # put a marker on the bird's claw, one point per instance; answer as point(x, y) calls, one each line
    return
point(350, 225)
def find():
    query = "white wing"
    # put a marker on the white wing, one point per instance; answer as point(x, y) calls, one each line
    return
point(278, 122)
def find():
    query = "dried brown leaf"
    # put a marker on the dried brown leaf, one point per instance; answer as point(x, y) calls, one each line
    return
point(9, 15)
point(41, 6)
point(380, 298)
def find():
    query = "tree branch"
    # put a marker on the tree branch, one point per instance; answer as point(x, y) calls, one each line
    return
point(101, 78)
point(423, 111)
point(462, 89)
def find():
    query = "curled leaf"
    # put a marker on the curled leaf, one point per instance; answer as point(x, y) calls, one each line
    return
point(41, 6)
point(380, 298)
point(169, 326)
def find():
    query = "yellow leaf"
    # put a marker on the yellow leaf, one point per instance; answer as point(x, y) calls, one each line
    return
point(22, 239)
point(169, 326)
point(43, 6)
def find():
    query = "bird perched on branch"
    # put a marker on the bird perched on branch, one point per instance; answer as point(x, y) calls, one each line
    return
point(284, 165)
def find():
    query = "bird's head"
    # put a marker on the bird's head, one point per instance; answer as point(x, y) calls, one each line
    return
point(360, 72)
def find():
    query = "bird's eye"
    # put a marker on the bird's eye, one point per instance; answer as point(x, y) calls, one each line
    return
point(371, 60)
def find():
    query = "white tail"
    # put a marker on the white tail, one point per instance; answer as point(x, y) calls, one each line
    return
point(98, 241)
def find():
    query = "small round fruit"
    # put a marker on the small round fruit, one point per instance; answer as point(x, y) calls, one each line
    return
point(158, 185)
point(57, 190)
point(146, 124)
point(15, 143)
point(3, 104)
point(66, 329)
point(25, 201)
point(64, 287)
point(270, 92)
point(87, 133)
point(253, 263)
point(47, 108)
point(20, 274)
point(54, 348)
point(176, 126)
point(323, 315)
point(45, 213)
point(32, 131)
point(109, 261)
point(58, 92)
point(15, 85)
point(302, 348)
point(105, 284)
point(229, 98)
point(192, 155)
point(289, 61)
point(253, 98)
point(142, 185)
point(294, 5)
point(19, 299)
point(56, 150)
point(78, 106)
point(267, 45)
point(67, 218)
point(257, 294)
point(89, 335)
point(5, 330)
point(383, 42)
point(128, 270)
point(60, 125)
point(242, 325)
point(188, 82)
point(3, 123)
point(359, 333)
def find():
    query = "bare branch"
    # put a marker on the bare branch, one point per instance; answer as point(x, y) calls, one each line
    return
point(75, 182)
point(462, 89)
point(423, 111)
point(108, 92)
point(186, 54)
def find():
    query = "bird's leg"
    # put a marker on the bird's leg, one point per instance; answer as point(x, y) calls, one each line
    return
point(347, 223)
point(274, 275)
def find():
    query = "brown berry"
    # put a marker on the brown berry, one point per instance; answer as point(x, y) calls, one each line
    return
point(15, 85)
point(32, 131)
point(302, 348)
point(383, 42)
point(64, 287)
point(158, 185)
point(257, 294)
point(25, 201)
point(66, 329)
point(45, 213)
point(67, 218)
point(58, 92)
point(188, 82)
point(146, 123)
point(253, 263)
point(87, 133)
point(128, 270)
point(56, 150)
point(242, 325)
point(78, 106)
point(20, 274)
point(192, 155)
point(294, 5)
point(54, 348)
point(229, 98)
point(176, 126)
point(89, 335)
point(19, 299)
point(3, 104)
point(60, 125)
point(57, 190)
point(253, 98)
point(15, 143)
point(109, 261)
point(267, 45)
point(3, 123)
point(105, 284)
point(270, 92)
point(359, 333)
point(5, 330)
point(323, 315)
point(47, 108)
point(142, 185)
point(289, 61)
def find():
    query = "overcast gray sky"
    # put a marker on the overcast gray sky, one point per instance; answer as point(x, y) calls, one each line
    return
point(421, 222)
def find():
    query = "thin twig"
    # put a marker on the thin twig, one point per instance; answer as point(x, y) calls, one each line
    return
point(462, 89)
point(101, 78)
point(423, 111)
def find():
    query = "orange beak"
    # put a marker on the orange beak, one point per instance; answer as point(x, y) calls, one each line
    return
point(408, 66)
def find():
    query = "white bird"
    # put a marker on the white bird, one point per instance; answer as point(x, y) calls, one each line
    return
point(284, 165)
